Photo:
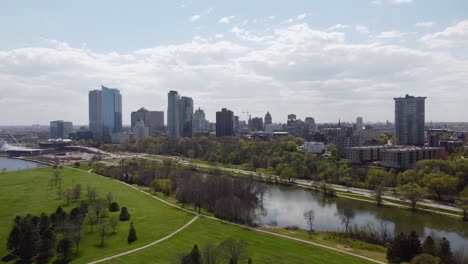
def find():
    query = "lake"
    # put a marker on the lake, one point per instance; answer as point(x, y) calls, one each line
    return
point(285, 206)
point(16, 164)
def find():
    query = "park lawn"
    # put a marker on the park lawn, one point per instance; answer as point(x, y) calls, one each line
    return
point(263, 248)
point(27, 191)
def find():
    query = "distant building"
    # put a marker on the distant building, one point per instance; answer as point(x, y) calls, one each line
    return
point(314, 147)
point(359, 123)
point(270, 128)
point(153, 120)
point(179, 115)
point(405, 157)
point(224, 123)
point(105, 113)
point(140, 130)
point(291, 117)
point(409, 120)
point(364, 154)
point(60, 129)
point(236, 125)
point(256, 124)
point(343, 142)
point(310, 121)
point(297, 128)
point(173, 114)
point(200, 124)
point(268, 120)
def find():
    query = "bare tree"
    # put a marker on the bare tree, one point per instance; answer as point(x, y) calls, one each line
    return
point(345, 215)
point(309, 216)
point(68, 195)
point(91, 219)
point(378, 193)
point(91, 194)
point(76, 234)
point(103, 231)
point(77, 192)
point(109, 198)
point(113, 222)
point(99, 207)
point(233, 250)
point(210, 254)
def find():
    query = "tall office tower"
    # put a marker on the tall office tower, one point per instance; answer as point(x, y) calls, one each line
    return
point(186, 110)
point(256, 124)
point(291, 117)
point(153, 120)
point(173, 114)
point(224, 123)
point(236, 125)
point(60, 129)
point(310, 122)
point(359, 123)
point(200, 124)
point(105, 113)
point(409, 120)
point(268, 120)
point(95, 113)
point(111, 113)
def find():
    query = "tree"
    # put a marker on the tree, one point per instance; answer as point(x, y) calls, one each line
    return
point(445, 253)
point(414, 245)
point(345, 215)
point(194, 257)
point(64, 247)
point(91, 219)
point(124, 215)
point(99, 207)
point(378, 193)
point(113, 222)
point(424, 258)
point(429, 246)
point(132, 236)
point(91, 193)
point(414, 193)
point(309, 216)
point(46, 248)
point(77, 164)
point(114, 207)
point(76, 235)
point(249, 261)
point(77, 192)
point(103, 231)
point(68, 195)
point(233, 250)
point(397, 250)
point(441, 184)
point(462, 203)
point(210, 254)
point(109, 198)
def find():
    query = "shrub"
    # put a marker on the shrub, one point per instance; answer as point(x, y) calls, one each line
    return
point(124, 215)
point(114, 207)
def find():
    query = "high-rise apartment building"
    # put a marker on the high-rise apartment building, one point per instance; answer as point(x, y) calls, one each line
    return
point(60, 129)
point(105, 113)
point(224, 123)
point(95, 113)
point(359, 123)
point(409, 120)
point(179, 115)
point(268, 120)
point(310, 122)
point(186, 110)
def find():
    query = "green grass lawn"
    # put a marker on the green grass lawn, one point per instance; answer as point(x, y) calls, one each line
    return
point(23, 192)
point(263, 248)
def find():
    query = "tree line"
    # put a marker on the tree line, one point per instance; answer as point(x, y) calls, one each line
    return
point(230, 251)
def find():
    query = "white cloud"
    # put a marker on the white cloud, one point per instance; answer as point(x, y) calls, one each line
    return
point(226, 20)
point(362, 29)
point(295, 69)
point(393, 34)
point(377, 2)
point(401, 1)
point(338, 26)
point(301, 17)
point(425, 24)
point(271, 17)
point(453, 36)
point(297, 18)
point(194, 18)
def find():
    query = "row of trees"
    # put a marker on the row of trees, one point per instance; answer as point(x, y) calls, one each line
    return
point(230, 251)
point(408, 248)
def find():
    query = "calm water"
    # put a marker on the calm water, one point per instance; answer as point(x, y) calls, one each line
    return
point(16, 164)
point(285, 206)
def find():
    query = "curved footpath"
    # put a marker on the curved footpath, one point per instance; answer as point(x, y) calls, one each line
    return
point(216, 219)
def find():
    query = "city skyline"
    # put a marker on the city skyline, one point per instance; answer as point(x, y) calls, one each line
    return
point(327, 60)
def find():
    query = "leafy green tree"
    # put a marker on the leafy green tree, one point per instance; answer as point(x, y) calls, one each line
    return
point(424, 258)
point(132, 236)
point(414, 193)
point(378, 193)
point(462, 203)
point(441, 184)
point(114, 207)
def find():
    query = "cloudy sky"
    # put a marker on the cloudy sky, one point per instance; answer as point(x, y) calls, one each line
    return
point(327, 59)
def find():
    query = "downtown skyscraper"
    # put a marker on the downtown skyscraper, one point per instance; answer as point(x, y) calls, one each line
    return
point(105, 114)
point(409, 120)
point(179, 115)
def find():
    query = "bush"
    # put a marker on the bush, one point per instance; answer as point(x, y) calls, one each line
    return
point(124, 215)
point(131, 234)
point(114, 207)
point(77, 164)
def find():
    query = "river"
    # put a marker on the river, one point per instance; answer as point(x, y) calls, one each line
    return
point(17, 164)
point(285, 206)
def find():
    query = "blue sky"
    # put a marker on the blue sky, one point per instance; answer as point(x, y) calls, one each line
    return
point(326, 59)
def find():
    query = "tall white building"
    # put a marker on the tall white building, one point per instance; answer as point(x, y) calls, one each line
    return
point(140, 130)
point(359, 123)
point(200, 124)
point(409, 120)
